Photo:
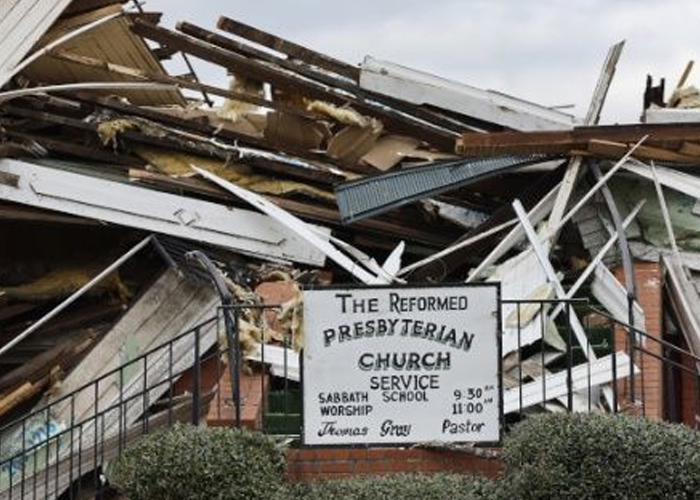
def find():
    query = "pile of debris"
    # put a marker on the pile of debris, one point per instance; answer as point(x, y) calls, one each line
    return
point(307, 170)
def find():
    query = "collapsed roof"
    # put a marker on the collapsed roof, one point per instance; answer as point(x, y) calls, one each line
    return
point(316, 170)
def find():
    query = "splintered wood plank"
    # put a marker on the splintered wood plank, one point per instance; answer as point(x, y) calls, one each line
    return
point(136, 73)
point(292, 49)
point(690, 149)
point(293, 82)
point(479, 144)
point(592, 117)
point(610, 149)
point(167, 291)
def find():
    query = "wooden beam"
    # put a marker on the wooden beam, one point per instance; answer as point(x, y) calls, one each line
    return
point(597, 259)
point(292, 82)
point(291, 49)
point(294, 225)
point(515, 235)
point(670, 136)
point(265, 160)
point(614, 150)
point(332, 81)
point(543, 258)
point(681, 82)
point(205, 130)
point(135, 73)
point(496, 143)
point(95, 152)
point(197, 147)
point(21, 394)
point(690, 149)
point(63, 354)
point(592, 117)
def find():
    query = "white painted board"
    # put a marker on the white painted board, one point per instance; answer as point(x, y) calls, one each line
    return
point(245, 231)
point(585, 376)
point(400, 365)
point(423, 88)
point(22, 24)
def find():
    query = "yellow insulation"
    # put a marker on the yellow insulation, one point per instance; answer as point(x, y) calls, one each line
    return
point(178, 164)
point(63, 282)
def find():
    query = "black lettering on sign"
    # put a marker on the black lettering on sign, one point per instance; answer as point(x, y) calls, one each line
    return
point(399, 304)
point(389, 428)
point(349, 304)
point(404, 382)
point(404, 327)
point(329, 428)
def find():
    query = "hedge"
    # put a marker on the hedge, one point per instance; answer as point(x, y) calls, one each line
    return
point(601, 457)
point(547, 457)
point(195, 463)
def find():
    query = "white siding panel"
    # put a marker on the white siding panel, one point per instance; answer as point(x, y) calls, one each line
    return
point(22, 24)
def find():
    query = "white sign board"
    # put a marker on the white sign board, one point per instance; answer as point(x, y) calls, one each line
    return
point(388, 365)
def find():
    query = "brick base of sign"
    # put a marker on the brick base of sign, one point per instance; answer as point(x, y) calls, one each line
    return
point(215, 377)
point(309, 464)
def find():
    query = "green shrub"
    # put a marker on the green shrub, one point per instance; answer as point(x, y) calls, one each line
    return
point(583, 457)
point(192, 463)
point(395, 487)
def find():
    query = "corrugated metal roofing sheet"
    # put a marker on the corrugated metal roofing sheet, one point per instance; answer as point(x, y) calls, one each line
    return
point(374, 195)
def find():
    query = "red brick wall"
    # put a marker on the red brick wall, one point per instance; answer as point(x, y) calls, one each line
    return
point(215, 377)
point(305, 464)
point(649, 387)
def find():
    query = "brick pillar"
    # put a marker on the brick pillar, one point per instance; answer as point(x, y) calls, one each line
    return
point(687, 388)
point(649, 386)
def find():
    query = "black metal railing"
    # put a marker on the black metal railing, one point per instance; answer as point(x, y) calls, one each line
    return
point(55, 449)
point(608, 365)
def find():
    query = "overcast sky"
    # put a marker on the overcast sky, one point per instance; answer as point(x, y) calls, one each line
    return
point(549, 52)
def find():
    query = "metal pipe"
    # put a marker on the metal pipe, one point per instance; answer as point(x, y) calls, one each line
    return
point(12, 94)
point(230, 323)
point(76, 295)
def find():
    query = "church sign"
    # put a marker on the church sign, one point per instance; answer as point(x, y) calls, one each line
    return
point(402, 365)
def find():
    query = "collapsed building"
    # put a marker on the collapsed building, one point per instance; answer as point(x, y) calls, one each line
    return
point(134, 204)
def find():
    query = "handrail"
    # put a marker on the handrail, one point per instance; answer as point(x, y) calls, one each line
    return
point(110, 373)
point(582, 301)
point(646, 335)
point(93, 416)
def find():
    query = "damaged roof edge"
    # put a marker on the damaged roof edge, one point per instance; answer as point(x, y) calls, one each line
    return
point(420, 88)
